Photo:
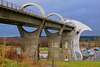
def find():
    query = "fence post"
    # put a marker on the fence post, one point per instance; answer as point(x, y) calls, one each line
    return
point(32, 12)
point(19, 7)
point(3, 50)
point(26, 10)
point(7, 4)
point(11, 5)
point(29, 11)
point(1, 2)
point(15, 6)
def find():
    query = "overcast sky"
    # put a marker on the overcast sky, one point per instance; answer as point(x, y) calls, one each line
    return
point(85, 11)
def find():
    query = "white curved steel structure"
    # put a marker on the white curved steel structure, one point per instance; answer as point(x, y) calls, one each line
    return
point(57, 15)
point(33, 4)
point(80, 27)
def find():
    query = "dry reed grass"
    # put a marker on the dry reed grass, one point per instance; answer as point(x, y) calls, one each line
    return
point(19, 59)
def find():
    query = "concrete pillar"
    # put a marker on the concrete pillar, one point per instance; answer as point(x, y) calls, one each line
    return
point(66, 46)
point(54, 45)
point(30, 41)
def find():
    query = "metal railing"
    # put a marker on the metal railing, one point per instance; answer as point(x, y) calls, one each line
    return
point(17, 7)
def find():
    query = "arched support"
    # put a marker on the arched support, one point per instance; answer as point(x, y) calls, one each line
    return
point(54, 45)
point(31, 39)
point(68, 20)
point(54, 42)
point(57, 15)
point(33, 4)
point(66, 46)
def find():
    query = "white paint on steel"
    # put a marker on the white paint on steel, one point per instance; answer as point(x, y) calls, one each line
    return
point(80, 27)
point(33, 4)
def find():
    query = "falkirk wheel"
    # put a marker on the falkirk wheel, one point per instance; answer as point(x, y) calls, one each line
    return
point(80, 27)
point(74, 44)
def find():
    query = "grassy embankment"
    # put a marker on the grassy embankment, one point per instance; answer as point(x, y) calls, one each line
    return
point(75, 64)
point(11, 63)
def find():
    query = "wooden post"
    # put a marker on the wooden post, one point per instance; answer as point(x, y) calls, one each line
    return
point(3, 50)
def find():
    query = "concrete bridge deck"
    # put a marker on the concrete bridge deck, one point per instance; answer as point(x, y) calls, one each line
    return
point(17, 17)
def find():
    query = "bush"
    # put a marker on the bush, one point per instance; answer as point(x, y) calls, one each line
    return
point(12, 54)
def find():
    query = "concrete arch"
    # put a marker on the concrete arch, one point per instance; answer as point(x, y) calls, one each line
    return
point(57, 15)
point(33, 4)
point(68, 20)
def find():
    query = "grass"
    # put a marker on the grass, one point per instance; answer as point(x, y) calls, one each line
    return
point(11, 63)
point(9, 58)
point(45, 49)
point(78, 64)
point(26, 63)
point(75, 64)
point(91, 41)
